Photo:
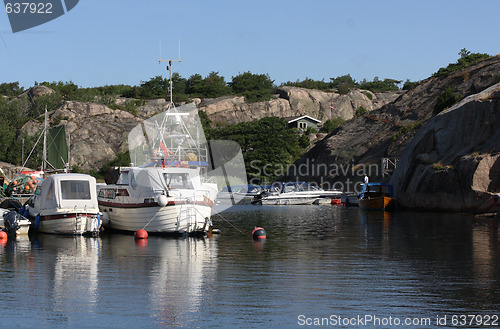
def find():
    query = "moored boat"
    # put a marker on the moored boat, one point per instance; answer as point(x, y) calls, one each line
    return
point(65, 204)
point(377, 196)
point(241, 194)
point(14, 223)
point(294, 193)
point(158, 199)
point(169, 192)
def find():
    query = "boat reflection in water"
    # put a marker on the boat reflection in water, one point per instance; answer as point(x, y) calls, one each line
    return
point(71, 266)
point(168, 274)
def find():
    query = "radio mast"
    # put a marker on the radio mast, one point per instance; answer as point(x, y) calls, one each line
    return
point(169, 68)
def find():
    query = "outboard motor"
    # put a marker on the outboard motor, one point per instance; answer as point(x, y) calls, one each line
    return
point(12, 221)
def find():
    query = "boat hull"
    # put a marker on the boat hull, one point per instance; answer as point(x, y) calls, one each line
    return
point(350, 200)
point(288, 200)
point(377, 203)
point(181, 218)
point(68, 223)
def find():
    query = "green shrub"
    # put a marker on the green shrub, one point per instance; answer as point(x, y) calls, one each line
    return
point(360, 111)
point(466, 58)
point(254, 87)
point(445, 99)
point(409, 127)
point(332, 124)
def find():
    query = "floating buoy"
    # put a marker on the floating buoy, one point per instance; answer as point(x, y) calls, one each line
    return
point(336, 201)
point(3, 235)
point(258, 233)
point(141, 234)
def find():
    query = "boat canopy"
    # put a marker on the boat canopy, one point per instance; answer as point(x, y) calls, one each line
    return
point(68, 191)
point(285, 187)
point(158, 179)
point(377, 188)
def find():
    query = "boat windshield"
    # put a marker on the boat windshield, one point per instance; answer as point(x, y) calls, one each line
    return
point(178, 181)
point(75, 190)
point(123, 179)
point(299, 187)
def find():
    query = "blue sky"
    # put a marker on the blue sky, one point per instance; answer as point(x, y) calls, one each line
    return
point(103, 42)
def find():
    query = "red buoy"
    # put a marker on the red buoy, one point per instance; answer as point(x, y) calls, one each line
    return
point(258, 233)
point(141, 234)
point(336, 201)
point(3, 235)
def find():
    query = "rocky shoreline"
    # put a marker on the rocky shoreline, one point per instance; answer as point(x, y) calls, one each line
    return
point(445, 162)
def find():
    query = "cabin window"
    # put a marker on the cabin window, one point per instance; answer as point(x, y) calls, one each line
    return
point(75, 189)
point(123, 179)
point(176, 181)
point(107, 193)
point(302, 125)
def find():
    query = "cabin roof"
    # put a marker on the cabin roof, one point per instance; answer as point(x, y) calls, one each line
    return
point(296, 118)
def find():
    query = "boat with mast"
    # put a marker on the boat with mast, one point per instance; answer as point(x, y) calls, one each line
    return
point(62, 203)
point(165, 190)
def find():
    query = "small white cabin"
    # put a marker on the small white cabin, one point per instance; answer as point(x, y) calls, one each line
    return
point(74, 191)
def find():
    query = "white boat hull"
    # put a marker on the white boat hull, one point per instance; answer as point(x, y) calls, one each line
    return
point(179, 218)
point(68, 223)
point(299, 200)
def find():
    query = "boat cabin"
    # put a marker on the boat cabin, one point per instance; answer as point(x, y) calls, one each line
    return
point(372, 190)
point(75, 191)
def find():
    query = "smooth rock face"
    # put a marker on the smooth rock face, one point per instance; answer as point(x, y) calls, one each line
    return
point(386, 132)
point(453, 163)
point(94, 132)
point(293, 101)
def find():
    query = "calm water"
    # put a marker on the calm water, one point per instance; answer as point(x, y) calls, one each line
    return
point(319, 263)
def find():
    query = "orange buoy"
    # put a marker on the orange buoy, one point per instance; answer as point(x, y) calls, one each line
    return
point(33, 178)
point(258, 233)
point(27, 187)
point(141, 234)
point(336, 201)
point(3, 235)
point(14, 183)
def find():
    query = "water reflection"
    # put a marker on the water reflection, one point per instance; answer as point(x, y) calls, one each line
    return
point(316, 261)
point(167, 274)
point(449, 255)
point(71, 263)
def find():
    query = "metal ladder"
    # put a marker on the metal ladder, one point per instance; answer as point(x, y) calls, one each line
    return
point(187, 214)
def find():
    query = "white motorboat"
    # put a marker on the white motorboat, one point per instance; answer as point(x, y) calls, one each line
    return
point(158, 199)
point(65, 204)
point(241, 194)
point(169, 193)
point(294, 193)
point(13, 223)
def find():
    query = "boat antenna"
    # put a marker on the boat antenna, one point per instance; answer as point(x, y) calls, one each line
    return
point(169, 68)
point(44, 155)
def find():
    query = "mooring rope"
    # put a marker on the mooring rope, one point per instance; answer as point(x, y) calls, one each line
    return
point(237, 229)
point(150, 220)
